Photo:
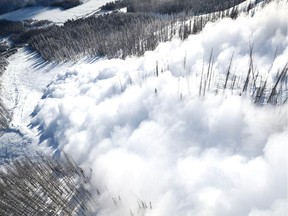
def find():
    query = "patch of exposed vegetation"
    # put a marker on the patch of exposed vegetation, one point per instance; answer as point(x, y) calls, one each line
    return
point(43, 186)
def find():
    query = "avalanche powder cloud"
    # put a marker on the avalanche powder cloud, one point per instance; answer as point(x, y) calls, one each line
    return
point(152, 141)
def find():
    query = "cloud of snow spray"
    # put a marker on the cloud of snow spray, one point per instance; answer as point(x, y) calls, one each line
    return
point(151, 139)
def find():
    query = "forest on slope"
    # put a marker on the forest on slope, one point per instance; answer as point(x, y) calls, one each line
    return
point(43, 186)
point(116, 34)
point(194, 7)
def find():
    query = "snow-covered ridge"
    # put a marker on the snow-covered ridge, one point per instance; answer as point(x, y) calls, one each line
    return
point(151, 139)
point(55, 15)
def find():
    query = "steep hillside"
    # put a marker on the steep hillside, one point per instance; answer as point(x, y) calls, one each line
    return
point(22, 85)
point(194, 124)
point(180, 131)
point(118, 34)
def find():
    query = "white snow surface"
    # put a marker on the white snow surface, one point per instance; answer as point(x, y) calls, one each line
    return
point(22, 86)
point(56, 15)
point(152, 139)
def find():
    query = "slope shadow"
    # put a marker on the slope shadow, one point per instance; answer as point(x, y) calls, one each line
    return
point(25, 13)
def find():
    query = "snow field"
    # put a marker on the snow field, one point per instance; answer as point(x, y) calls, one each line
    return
point(23, 83)
point(55, 15)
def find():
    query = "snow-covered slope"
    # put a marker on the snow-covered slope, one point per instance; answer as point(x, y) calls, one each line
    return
point(22, 86)
point(155, 147)
point(56, 15)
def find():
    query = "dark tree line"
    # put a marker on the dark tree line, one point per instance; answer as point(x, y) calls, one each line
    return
point(113, 35)
point(5, 52)
point(116, 34)
point(172, 6)
point(20, 32)
point(5, 116)
point(10, 5)
point(43, 186)
point(8, 28)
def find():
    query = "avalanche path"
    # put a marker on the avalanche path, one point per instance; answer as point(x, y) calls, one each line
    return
point(23, 83)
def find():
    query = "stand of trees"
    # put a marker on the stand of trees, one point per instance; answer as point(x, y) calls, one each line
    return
point(115, 35)
point(254, 85)
point(43, 186)
point(8, 28)
point(5, 52)
point(172, 6)
point(10, 5)
point(5, 116)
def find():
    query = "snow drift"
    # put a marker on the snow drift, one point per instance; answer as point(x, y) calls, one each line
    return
point(155, 147)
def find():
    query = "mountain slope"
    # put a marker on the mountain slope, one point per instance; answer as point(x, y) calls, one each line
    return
point(194, 127)
point(156, 147)
point(55, 15)
point(23, 83)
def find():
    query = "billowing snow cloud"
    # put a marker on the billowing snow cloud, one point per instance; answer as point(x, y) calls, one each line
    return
point(156, 148)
